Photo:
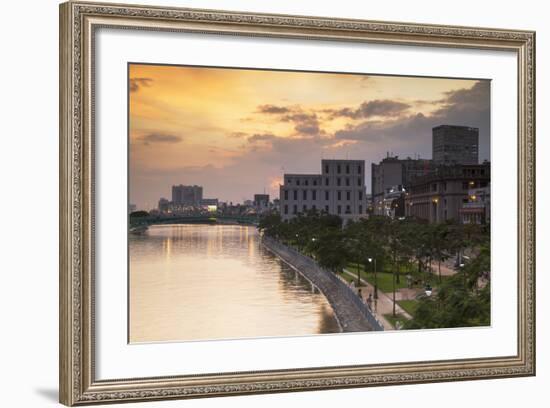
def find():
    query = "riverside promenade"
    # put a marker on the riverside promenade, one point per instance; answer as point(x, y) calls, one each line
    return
point(350, 311)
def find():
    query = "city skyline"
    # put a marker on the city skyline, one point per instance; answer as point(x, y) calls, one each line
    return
point(236, 132)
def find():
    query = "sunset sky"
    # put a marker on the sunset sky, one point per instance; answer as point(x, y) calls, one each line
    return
point(236, 131)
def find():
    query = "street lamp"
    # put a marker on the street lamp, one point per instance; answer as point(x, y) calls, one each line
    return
point(375, 278)
point(428, 290)
point(461, 266)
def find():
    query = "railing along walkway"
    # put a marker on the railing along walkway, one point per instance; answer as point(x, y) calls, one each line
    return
point(352, 313)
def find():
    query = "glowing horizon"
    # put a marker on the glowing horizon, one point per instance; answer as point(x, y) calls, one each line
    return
point(235, 131)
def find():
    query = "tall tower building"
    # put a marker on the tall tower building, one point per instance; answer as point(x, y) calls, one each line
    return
point(186, 195)
point(455, 145)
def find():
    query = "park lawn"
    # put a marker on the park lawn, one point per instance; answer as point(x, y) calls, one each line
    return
point(385, 281)
point(408, 306)
point(385, 278)
point(393, 320)
point(348, 278)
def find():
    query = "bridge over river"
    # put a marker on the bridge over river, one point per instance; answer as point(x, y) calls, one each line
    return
point(138, 224)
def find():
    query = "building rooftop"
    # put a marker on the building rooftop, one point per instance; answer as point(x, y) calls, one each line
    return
point(457, 171)
point(455, 127)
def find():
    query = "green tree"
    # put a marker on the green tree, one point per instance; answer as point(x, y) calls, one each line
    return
point(453, 306)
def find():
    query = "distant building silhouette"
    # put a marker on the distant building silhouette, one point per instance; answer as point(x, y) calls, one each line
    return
point(186, 195)
point(261, 202)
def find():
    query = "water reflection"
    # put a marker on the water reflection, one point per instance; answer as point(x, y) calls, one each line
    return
point(191, 282)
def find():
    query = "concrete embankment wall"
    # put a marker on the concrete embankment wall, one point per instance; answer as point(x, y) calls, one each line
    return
point(352, 314)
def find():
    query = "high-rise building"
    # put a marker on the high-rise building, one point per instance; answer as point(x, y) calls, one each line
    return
point(455, 145)
point(339, 190)
point(186, 195)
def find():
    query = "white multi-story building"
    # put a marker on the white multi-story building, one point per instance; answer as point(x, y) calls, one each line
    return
point(338, 190)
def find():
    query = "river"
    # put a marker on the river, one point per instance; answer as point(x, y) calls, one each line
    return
point(205, 282)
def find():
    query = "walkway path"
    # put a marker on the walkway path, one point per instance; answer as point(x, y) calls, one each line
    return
point(445, 269)
point(384, 304)
point(350, 316)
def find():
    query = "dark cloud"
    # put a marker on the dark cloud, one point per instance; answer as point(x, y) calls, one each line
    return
point(475, 97)
point(383, 108)
point(304, 123)
point(464, 107)
point(376, 131)
point(159, 138)
point(378, 107)
point(261, 137)
point(274, 109)
point(137, 83)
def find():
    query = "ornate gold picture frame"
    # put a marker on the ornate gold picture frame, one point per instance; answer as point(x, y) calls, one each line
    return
point(78, 24)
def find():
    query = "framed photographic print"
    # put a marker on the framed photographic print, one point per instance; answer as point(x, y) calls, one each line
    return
point(258, 203)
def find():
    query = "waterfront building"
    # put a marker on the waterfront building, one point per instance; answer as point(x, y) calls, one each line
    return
point(339, 189)
point(478, 208)
point(186, 195)
point(393, 173)
point(440, 195)
point(455, 145)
